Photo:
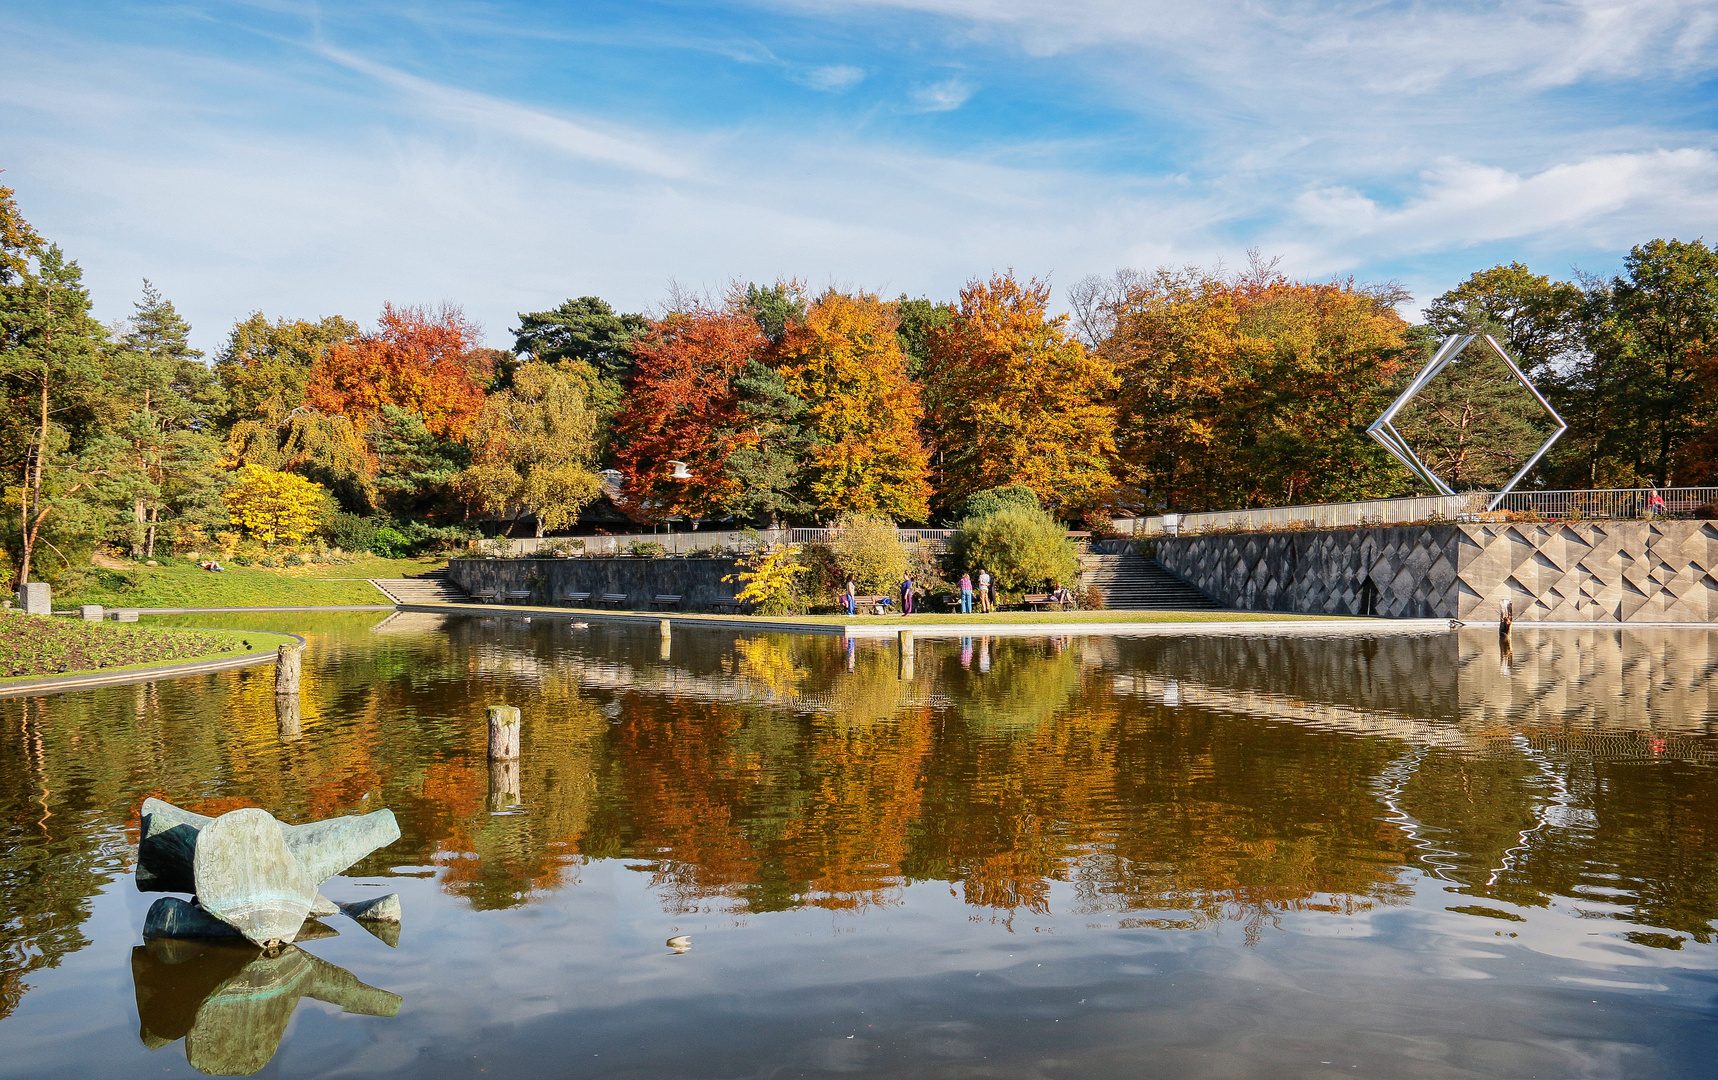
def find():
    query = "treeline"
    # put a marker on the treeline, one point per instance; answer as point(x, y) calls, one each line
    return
point(1177, 389)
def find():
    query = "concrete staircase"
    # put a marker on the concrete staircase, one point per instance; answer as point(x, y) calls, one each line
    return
point(1133, 583)
point(435, 587)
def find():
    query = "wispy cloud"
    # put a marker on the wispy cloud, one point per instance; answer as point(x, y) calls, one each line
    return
point(495, 115)
point(833, 78)
point(944, 96)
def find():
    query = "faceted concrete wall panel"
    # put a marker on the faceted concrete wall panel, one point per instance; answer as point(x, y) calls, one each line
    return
point(1613, 571)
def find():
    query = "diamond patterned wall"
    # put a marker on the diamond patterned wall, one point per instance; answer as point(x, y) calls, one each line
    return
point(1611, 571)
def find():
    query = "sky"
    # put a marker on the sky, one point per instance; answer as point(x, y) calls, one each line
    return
point(309, 159)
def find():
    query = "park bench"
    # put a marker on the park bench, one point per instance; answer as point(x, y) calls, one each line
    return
point(575, 598)
point(665, 600)
point(486, 596)
point(732, 604)
point(613, 599)
point(867, 605)
point(518, 594)
point(1042, 601)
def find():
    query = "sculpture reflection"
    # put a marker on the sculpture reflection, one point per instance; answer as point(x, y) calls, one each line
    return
point(231, 1001)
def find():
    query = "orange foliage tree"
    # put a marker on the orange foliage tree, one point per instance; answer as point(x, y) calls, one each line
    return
point(681, 406)
point(421, 360)
point(862, 409)
point(1015, 400)
point(1254, 390)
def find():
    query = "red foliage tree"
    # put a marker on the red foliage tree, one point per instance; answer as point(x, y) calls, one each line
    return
point(423, 360)
point(681, 406)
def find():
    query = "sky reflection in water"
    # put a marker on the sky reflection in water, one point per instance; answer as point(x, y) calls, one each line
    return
point(1165, 856)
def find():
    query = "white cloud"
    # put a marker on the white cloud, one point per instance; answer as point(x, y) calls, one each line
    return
point(943, 96)
point(1607, 200)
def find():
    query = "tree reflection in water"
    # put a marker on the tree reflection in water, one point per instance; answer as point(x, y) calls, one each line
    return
point(1168, 781)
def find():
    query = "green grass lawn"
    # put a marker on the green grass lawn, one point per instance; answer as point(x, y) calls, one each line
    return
point(36, 647)
point(176, 583)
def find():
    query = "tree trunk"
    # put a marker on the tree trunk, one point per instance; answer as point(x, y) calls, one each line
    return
point(154, 520)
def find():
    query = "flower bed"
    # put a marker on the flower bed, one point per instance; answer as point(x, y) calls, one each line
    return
point(34, 646)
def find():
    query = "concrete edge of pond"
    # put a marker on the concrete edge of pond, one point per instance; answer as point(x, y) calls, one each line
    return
point(96, 679)
point(1270, 622)
point(244, 610)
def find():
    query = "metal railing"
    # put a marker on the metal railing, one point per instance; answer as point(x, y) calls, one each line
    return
point(1614, 504)
point(685, 543)
point(1610, 504)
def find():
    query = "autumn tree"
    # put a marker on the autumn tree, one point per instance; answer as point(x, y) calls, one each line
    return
point(423, 360)
point(265, 367)
point(1254, 390)
point(845, 363)
point(534, 447)
point(682, 406)
point(273, 506)
point(1014, 399)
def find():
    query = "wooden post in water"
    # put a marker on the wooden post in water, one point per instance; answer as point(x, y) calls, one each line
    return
point(906, 639)
point(288, 666)
point(667, 639)
point(1505, 616)
point(503, 733)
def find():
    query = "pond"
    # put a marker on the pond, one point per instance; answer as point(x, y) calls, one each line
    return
point(1180, 856)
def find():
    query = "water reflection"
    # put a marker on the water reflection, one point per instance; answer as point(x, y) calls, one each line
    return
point(231, 1002)
point(1173, 783)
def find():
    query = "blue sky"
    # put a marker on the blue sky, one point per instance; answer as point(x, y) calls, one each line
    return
point(309, 159)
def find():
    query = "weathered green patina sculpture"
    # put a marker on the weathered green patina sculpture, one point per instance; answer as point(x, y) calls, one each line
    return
point(251, 872)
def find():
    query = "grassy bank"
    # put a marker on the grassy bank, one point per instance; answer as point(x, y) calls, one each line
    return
point(34, 647)
point(177, 583)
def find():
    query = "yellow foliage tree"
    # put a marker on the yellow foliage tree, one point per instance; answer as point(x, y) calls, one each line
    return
point(845, 361)
point(273, 506)
point(1015, 400)
point(771, 581)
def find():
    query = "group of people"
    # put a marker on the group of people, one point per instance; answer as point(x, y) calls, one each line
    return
point(985, 591)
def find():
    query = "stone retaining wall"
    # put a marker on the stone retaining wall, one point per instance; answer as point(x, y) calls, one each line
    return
point(1607, 571)
point(699, 581)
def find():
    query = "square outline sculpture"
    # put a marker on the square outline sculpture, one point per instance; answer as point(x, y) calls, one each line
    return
point(1387, 436)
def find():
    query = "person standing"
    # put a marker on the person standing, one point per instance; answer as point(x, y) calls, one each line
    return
point(852, 596)
point(907, 595)
point(966, 594)
point(1655, 504)
point(986, 599)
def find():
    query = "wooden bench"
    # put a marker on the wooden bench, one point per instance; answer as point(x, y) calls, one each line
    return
point(486, 596)
point(1039, 601)
point(518, 594)
point(575, 598)
point(613, 599)
point(729, 604)
point(665, 600)
point(867, 605)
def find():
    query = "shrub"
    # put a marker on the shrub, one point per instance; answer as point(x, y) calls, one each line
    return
point(647, 549)
point(1021, 548)
point(869, 548)
point(823, 578)
point(989, 500)
point(1093, 600)
point(771, 582)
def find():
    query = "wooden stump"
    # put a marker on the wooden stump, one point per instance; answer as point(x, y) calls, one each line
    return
point(1505, 616)
point(503, 733)
point(288, 666)
point(906, 637)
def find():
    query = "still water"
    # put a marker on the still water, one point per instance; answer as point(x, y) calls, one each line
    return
point(1196, 856)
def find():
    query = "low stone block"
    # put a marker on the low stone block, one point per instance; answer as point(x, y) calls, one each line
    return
point(90, 612)
point(36, 598)
point(381, 909)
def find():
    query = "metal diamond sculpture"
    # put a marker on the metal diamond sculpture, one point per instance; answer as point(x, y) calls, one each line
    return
point(1452, 347)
